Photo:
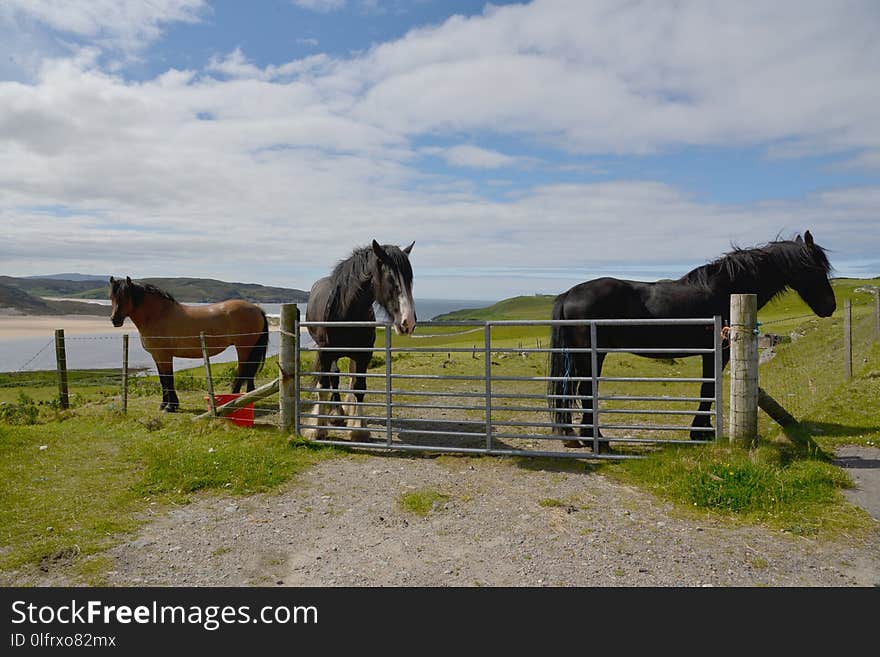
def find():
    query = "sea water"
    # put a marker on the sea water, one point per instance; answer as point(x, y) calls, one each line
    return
point(104, 350)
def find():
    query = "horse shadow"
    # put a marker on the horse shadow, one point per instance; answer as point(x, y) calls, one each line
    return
point(419, 432)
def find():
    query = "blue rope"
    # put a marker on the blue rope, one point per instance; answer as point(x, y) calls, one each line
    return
point(567, 373)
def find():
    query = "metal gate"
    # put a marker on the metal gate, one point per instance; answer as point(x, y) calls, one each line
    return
point(492, 398)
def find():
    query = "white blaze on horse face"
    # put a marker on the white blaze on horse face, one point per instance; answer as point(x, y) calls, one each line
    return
point(407, 321)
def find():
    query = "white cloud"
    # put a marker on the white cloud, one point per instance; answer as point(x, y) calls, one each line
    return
point(466, 155)
point(271, 174)
point(320, 5)
point(126, 25)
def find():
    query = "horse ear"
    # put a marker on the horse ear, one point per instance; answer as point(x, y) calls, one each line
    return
point(112, 280)
point(380, 252)
point(808, 238)
point(798, 239)
point(128, 280)
point(409, 248)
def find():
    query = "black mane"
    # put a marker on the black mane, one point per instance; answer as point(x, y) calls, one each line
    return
point(139, 290)
point(780, 258)
point(351, 280)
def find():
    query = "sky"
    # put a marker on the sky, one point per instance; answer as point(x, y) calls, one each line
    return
point(524, 146)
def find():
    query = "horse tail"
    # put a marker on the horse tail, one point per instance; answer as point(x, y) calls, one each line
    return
point(561, 365)
point(257, 356)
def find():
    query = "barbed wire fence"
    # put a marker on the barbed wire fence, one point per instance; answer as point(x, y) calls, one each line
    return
point(801, 367)
point(118, 384)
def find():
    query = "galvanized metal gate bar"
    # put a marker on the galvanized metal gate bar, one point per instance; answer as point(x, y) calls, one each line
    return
point(398, 425)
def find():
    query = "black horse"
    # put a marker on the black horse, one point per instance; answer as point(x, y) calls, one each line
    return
point(765, 271)
point(375, 274)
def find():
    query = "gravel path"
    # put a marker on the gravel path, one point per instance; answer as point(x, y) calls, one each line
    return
point(340, 525)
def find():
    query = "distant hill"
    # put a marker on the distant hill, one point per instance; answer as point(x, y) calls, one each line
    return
point(71, 277)
point(16, 301)
point(533, 307)
point(185, 290)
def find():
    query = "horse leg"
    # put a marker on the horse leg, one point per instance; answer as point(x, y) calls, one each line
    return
point(170, 403)
point(336, 403)
point(241, 375)
point(586, 389)
point(318, 432)
point(707, 391)
point(356, 421)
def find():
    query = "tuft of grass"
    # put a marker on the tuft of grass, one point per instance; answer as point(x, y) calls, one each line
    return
point(772, 484)
point(551, 502)
point(421, 502)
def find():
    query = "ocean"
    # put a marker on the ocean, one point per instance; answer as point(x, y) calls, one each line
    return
point(104, 350)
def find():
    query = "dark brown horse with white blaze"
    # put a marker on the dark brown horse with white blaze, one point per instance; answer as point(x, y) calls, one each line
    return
point(169, 329)
point(379, 274)
point(765, 271)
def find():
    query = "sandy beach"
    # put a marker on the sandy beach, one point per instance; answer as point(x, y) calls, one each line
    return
point(29, 326)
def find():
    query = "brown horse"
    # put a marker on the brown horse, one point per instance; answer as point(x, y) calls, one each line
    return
point(168, 329)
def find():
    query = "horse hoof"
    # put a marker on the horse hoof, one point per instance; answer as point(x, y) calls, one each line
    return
point(360, 436)
point(314, 434)
point(338, 421)
point(573, 444)
point(170, 408)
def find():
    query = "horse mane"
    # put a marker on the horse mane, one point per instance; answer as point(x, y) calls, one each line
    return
point(139, 290)
point(779, 257)
point(350, 278)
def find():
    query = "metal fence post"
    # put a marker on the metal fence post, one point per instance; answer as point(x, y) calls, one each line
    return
point(743, 369)
point(296, 367)
point(847, 338)
point(594, 373)
point(125, 372)
point(719, 380)
point(488, 348)
point(211, 401)
point(61, 366)
point(388, 399)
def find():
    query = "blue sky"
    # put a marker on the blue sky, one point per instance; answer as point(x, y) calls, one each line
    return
point(525, 147)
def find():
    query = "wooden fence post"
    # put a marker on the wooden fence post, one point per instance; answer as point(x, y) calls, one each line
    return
point(288, 363)
point(847, 338)
point(125, 372)
point(743, 369)
point(211, 401)
point(61, 366)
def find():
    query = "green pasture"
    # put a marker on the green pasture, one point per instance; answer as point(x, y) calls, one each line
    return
point(74, 482)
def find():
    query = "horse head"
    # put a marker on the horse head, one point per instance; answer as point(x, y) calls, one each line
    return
point(392, 285)
point(810, 280)
point(123, 298)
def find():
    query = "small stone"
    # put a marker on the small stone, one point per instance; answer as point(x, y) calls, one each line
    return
point(43, 447)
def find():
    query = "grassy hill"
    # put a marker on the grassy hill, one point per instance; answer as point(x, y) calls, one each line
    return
point(531, 307)
point(185, 290)
point(20, 302)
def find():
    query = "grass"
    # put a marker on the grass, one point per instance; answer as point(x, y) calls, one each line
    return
point(72, 486)
point(775, 484)
point(421, 502)
point(99, 472)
